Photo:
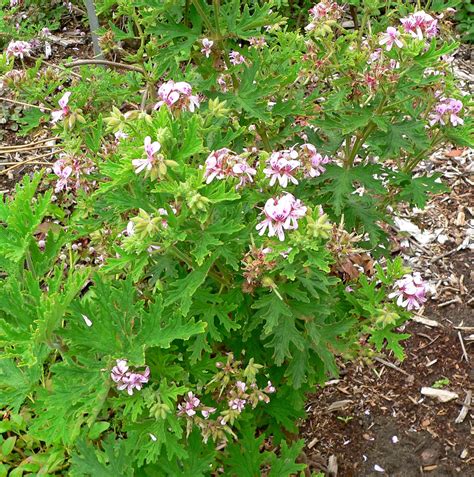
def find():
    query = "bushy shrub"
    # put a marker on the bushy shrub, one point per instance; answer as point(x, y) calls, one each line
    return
point(190, 269)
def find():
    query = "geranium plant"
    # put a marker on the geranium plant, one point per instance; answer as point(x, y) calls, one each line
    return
point(213, 237)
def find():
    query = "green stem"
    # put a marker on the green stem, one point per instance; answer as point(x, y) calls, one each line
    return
point(203, 15)
point(362, 26)
point(411, 164)
point(217, 7)
point(189, 262)
point(263, 134)
point(361, 138)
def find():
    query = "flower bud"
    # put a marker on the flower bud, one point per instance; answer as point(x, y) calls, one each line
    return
point(385, 318)
point(319, 228)
point(197, 202)
point(218, 108)
point(145, 224)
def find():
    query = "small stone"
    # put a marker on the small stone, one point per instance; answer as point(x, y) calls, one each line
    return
point(429, 457)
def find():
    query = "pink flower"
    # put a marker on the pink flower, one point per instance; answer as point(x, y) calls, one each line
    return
point(241, 386)
point(391, 37)
point(270, 389)
point(18, 49)
point(281, 213)
point(237, 404)
point(257, 42)
point(206, 47)
point(419, 24)
point(224, 163)
point(236, 58)
point(224, 81)
point(313, 162)
point(410, 291)
point(324, 11)
point(63, 171)
point(216, 165)
point(119, 135)
point(119, 370)
point(375, 55)
point(64, 111)
point(133, 381)
point(244, 172)
point(282, 166)
point(150, 149)
point(207, 411)
point(126, 379)
point(177, 96)
point(447, 110)
point(188, 407)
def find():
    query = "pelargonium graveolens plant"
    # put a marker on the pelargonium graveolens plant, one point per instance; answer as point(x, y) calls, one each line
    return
point(212, 237)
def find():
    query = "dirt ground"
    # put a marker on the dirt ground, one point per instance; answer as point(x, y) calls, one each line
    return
point(373, 420)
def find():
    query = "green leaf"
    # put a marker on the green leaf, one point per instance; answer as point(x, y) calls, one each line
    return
point(407, 135)
point(8, 445)
point(385, 337)
point(182, 290)
point(113, 461)
point(245, 458)
point(97, 429)
point(416, 190)
point(285, 464)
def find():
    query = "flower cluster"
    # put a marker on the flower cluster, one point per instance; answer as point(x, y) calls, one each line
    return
point(257, 42)
point(282, 166)
point(177, 96)
point(192, 404)
point(224, 81)
point(420, 24)
point(128, 379)
point(312, 162)
point(18, 49)
point(60, 114)
point(69, 170)
point(324, 11)
point(255, 264)
point(281, 213)
point(447, 111)
point(224, 163)
point(411, 291)
point(236, 58)
point(237, 391)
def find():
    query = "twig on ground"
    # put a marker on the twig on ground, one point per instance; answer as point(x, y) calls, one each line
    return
point(391, 365)
point(29, 161)
point(425, 321)
point(464, 328)
point(465, 408)
point(447, 254)
point(26, 149)
point(450, 302)
point(430, 343)
point(21, 103)
point(112, 64)
point(30, 144)
point(464, 352)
